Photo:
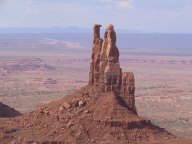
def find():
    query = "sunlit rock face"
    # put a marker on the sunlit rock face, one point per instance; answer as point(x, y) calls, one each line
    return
point(105, 70)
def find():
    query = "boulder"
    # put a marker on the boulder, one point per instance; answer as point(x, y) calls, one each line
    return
point(66, 105)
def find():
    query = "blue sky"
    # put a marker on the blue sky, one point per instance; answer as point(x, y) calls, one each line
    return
point(146, 15)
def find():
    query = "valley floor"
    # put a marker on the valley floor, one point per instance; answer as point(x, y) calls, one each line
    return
point(163, 84)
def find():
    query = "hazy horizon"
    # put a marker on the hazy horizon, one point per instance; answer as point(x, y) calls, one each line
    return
point(58, 43)
point(73, 29)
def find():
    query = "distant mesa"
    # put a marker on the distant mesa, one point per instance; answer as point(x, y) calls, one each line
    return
point(21, 65)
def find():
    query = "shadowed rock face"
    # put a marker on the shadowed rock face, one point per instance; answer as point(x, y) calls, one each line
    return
point(6, 111)
point(105, 71)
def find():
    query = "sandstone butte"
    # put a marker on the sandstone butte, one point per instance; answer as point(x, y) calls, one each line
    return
point(103, 112)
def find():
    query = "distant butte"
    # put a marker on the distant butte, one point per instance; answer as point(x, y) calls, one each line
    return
point(103, 112)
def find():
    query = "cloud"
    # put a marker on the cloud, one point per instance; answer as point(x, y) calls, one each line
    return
point(119, 4)
point(177, 13)
point(32, 11)
point(66, 8)
point(31, 8)
point(127, 4)
point(35, 7)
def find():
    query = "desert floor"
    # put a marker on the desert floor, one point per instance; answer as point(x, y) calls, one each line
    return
point(163, 84)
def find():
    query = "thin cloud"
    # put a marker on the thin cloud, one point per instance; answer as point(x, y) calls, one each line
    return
point(31, 11)
point(119, 4)
point(31, 8)
point(67, 8)
point(35, 7)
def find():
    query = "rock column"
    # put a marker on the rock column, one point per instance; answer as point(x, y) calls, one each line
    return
point(105, 70)
point(95, 57)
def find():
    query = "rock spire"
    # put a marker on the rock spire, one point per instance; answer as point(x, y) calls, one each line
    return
point(105, 71)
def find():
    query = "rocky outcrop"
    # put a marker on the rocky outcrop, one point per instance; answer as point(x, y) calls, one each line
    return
point(105, 71)
point(95, 57)
point(87, 116)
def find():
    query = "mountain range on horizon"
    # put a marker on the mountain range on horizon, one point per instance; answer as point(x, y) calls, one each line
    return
point(71, 29)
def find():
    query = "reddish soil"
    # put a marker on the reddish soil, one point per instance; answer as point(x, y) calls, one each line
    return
point(86, 116)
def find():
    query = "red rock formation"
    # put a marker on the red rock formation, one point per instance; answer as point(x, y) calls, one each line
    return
point(128, 90)
point(95, 57)
point(105, 70)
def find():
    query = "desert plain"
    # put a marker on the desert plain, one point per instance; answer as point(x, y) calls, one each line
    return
point(33, 73)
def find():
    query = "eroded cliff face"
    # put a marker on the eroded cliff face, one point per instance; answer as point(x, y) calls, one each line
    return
point(105, 70)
